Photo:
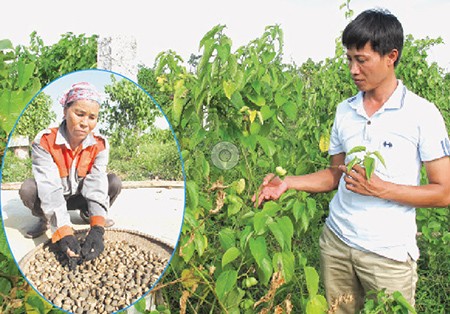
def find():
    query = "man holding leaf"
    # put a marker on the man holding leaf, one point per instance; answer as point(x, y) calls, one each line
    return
point(379, 141)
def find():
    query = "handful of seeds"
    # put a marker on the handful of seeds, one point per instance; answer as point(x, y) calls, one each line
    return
point(123, 273)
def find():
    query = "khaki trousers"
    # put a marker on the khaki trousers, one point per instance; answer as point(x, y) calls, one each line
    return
point(350, 272)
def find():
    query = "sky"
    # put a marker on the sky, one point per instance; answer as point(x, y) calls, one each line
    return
point(310, 26)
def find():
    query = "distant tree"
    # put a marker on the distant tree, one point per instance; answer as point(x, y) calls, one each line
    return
point(36, 117)
point(70, 53)
point(129, 111)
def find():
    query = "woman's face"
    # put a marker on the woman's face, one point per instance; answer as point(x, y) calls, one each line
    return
point(81, 118)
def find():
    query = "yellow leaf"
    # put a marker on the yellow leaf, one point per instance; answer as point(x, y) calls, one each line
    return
point(324, 143)
point(161, 79)
point(240, 186)
point(188, 278)
point(252, 115)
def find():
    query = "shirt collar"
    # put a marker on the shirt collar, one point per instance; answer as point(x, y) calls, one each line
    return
point(394, 102)
point(62, 137)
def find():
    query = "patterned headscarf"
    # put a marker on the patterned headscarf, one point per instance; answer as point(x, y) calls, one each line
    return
point(82, 90)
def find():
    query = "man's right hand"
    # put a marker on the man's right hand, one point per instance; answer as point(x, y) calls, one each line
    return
point(271, 189)
point(71, 249)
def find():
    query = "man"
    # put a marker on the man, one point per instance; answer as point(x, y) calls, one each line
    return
point(69, 168)
point(368, 242)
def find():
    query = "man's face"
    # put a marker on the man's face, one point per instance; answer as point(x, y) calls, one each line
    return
point(81, 119)
point(368, 68)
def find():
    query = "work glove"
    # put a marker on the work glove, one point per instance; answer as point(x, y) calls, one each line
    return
point(70, 248)
point(93, 246)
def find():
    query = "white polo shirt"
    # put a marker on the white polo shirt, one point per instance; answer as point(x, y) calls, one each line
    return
point(407, 131)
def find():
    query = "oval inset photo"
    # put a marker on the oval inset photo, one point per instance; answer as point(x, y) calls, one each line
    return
point(93, 192)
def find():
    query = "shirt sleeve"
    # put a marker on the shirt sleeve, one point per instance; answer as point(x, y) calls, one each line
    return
point(50, 189)
point(336, 146)
point(433, 136)
point(95, 185)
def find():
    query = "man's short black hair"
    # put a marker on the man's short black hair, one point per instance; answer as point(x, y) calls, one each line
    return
point(377, 26)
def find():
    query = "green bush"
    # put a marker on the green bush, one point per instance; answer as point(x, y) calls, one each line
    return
point(16, 169)
point(148, 157)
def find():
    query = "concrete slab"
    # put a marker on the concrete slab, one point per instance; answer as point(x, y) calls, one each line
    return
point(154, 211)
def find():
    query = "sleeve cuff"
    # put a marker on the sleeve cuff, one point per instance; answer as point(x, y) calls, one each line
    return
point(97, 221)
point(61, 233)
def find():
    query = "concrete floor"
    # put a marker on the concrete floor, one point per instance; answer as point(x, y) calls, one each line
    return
point(155, 211)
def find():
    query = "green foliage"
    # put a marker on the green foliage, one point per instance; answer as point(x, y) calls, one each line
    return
point(277, 115)
point(153, 156)
point(72, 52)
point(130, 111)
point(381, 302)
point(37, 116)
point(249, 98)
point(15, 169)
point(367, 161)
point(17, 87)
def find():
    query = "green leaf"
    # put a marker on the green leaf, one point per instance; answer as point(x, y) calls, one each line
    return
point(369, 164)
point(187, 249)
point(267, 145)
point(225, 283)
point(6, 44)
point(255, 127)
point(230, 255)
point(353, 162)
point(268, 56)
point(257, 86)
point(356, 149)
point(280, 100)
point(304, 220)
point(35, 304)
point(236, 100)
point(227, 238)
point(260, 222)
point(402, 301)
point(140, 306)
point(298, 209)
point(201, 243)
point(229, 88)
point(285, 261)
point(258, 248)
point(380, 158)
point(317, 305)
point(312, 281)
point(4, 249)
point(24, 72)
point(234, 204)
point(191, 194)
point(266, 112)
point(311, 205)
point(257, 100)
point(179, 100)
point(223, 51)
point(291, 110)
point(276, 231)
point(210, 34)
point(287, 227)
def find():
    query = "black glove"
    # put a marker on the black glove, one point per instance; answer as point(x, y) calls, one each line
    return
point(70, 247)
point(93, 245)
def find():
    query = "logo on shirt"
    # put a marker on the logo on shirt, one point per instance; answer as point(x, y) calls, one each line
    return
point(352, 99)
point(387, 144)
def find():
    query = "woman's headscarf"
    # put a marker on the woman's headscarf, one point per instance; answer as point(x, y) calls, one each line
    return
point(82, 90)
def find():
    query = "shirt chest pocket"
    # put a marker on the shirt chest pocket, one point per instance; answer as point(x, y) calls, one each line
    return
point(400, 155)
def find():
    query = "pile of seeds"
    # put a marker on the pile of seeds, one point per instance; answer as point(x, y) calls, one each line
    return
point(112, 281)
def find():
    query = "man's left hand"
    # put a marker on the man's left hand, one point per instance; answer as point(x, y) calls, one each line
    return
point(356, 181)
point(93, 246)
